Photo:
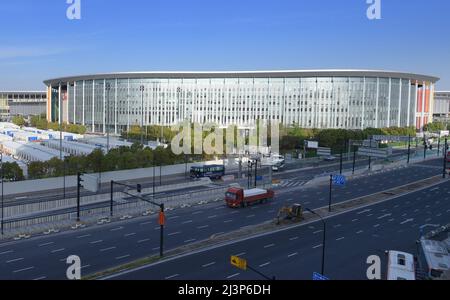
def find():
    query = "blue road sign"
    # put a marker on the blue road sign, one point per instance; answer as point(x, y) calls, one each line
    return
point(317, 276)
point(339, 180)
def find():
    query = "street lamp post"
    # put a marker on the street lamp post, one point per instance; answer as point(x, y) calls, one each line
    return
point(409, 149)
point(445, 158)
point(324, 238)
point(142, 89)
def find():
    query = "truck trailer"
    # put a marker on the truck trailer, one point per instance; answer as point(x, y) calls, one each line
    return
point(238, 197)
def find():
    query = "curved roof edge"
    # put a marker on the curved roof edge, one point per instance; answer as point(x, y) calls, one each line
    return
point(247, 74)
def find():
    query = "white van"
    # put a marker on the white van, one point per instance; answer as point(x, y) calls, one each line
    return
point(401, 266)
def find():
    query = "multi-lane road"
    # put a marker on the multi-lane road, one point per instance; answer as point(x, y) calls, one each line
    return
point(105, 246)
point(297, 253)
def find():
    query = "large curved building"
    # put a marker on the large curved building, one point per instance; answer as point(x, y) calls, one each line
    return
point(352, 99)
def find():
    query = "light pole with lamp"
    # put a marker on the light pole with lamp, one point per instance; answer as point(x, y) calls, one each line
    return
point(324, 238)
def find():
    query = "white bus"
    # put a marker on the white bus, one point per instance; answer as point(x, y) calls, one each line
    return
point(401, 266)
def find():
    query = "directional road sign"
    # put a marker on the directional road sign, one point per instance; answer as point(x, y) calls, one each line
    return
point(339, 180)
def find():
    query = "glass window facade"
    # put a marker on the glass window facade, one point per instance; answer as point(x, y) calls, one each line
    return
point(353, 102)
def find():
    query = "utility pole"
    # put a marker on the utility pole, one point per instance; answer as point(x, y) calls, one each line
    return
point(445, 159)
point(79, 180)
point(409, 149)
point(370, 157)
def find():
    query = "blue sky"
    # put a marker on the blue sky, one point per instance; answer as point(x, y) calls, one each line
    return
point(38, 42)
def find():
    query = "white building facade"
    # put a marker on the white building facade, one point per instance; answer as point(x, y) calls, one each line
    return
point(349, 99)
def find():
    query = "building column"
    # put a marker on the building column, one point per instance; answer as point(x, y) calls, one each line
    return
point(424, 90)
point(377, 103)
point(104, 106)
point(93, 105)
point(74, 102)
point(83, 110)
point(363, 105)
point(416, 104)
point(400, 104)
point(60, 108)
point(115, 108)
point(408, 122)
point(389, 103)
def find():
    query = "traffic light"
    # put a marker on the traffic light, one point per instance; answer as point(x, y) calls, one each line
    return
point(139, 188)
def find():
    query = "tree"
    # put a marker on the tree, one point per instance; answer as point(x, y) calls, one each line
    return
point(18, 120)
point(12, 172)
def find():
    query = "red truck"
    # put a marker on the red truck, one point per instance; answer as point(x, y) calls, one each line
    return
point(238, 197)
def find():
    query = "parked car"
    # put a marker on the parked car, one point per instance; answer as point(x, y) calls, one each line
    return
point(329, 158)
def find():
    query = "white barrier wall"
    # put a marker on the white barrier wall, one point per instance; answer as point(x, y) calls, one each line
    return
point(29, 186)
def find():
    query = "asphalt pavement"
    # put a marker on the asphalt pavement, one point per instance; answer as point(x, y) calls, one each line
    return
point(105, 246)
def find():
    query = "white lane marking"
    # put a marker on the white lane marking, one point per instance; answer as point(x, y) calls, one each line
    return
point(146, 223)
point(23, 270)
point(293, 254)
point(7, 252)
point(340, 239)
point(15, 260)
point(240, 254)
point(359, 232)
point(172, 276)
point(391, 220)
point(107, 249)
point(96, 242)
point(364, 211)
point(428, 220)
point(269, 246)
point(129, 234)
point(318, 231)
point(407, 221)
point(251, 216)
point(355, 220)
point(197, 212)
point(337, 226)
point(58, 250)
point(187, 222)
point(83, 236)
point(318, 246)
point(203, 227)
point(123, 257)
point(209, 265)
point(116, 229)
point(228, 221)
point(173, 218)
point(264, 265)
point(40, 278)
point(294, 238)
point(85, 266)
point(234, 275)
point(384, 216)
point(143, 241)
point(376, 225)
point(46, 244)
point(174, 233)
point(190, 241)
point(212, 217)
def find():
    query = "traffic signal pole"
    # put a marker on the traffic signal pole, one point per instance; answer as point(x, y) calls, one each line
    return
point(445, 158)
point(331, 191)
point(78, 195)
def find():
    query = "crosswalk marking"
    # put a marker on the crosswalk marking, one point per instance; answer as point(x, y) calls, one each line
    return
point(292, 183)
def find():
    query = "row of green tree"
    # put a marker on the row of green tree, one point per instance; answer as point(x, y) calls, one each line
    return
point(40, 122)
point(124, 158)
point(12, 172)
point(336, 139)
